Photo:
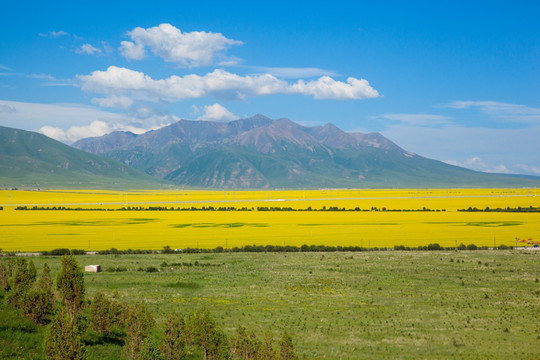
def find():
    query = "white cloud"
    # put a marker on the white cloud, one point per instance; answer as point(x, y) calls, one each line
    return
point(455, 144)
point(119, 102)
point(220, 84)
point(475, 163)
point(54, 34)
point(197, 48)
point(327, 88)
point(132, 51)
point(294, 73)
point(106, 47)
point(529, 169)
point(5, 68)
point(501, 111)
point(216, 112)
point(70, 122)
point(96, 128)
point(415, 119)
point(88, 50)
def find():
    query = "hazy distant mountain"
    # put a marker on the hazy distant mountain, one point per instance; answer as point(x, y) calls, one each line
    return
point(29, 159)
point(262, 153)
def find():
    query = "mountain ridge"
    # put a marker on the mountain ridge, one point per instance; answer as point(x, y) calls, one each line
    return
point(259, 152)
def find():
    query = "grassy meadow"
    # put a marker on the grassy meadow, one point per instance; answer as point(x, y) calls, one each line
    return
point(97, 227)
point(364, 305)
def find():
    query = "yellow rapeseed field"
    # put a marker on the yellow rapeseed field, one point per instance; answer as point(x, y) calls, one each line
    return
point(103, 229)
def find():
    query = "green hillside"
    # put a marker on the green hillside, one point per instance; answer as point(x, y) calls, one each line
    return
point(29, 159)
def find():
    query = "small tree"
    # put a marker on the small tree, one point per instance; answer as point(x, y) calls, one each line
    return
point(208, 336)
point(4, 277)
point(64, 340)
point(36, 304)
point(104, 314)
point(45, 284)
point(286, 348)
point(245, 346)
point(174, 345)
point(24, 276)
point(266, 350)
point(150, 351)
point(70, 285)
point(139, 322)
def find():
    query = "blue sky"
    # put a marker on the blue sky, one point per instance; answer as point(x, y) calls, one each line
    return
point(454, 81)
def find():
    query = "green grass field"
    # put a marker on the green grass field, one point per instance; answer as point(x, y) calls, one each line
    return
point(366, 305)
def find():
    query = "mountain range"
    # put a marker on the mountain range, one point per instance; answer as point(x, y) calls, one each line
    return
point(259, 152)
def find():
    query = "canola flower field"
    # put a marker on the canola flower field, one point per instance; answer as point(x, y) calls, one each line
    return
point(372, 218)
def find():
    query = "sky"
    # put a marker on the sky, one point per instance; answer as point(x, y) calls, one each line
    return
point(454, 81)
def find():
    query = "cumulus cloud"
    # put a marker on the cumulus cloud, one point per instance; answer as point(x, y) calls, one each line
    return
point(96, 128)
point(132, 51)
point(197, 48)
point(327, 88)
point(70, 122)
point(502, 111)
point(119, 102)
point(216, 112)
point(220, 84)
point(88, 50)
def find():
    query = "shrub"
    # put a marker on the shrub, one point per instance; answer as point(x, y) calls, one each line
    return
point(36, 304)
point(286, 348)
point(167, 250)
point(57, 252)
point(174, 345)
point(208, 336)
point(102, 315)
point(244, 345)
point(77, 252)
point(139, 322)
point(64, 340)
point(70, 285)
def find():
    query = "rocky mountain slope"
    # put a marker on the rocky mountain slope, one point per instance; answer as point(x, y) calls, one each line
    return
point(259, 152)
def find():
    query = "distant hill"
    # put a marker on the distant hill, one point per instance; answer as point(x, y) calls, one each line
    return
point(259, 152)
point(29, 159)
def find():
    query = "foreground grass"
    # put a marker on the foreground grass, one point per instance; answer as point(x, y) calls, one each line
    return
point(368, 305)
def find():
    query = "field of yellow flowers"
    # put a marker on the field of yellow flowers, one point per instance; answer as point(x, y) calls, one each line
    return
point(92, 220)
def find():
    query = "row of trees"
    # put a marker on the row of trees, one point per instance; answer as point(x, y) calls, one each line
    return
point(519, 209)
point(228, 208)
point(196, 336)
point(270, 248)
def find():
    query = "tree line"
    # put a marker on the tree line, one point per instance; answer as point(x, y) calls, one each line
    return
point(519, 209)
point(224, 208)
point(74, 317)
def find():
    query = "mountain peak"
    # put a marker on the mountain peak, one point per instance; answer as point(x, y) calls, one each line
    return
point(258, 152)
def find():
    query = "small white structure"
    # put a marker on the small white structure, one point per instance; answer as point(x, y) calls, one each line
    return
point(92, 268)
